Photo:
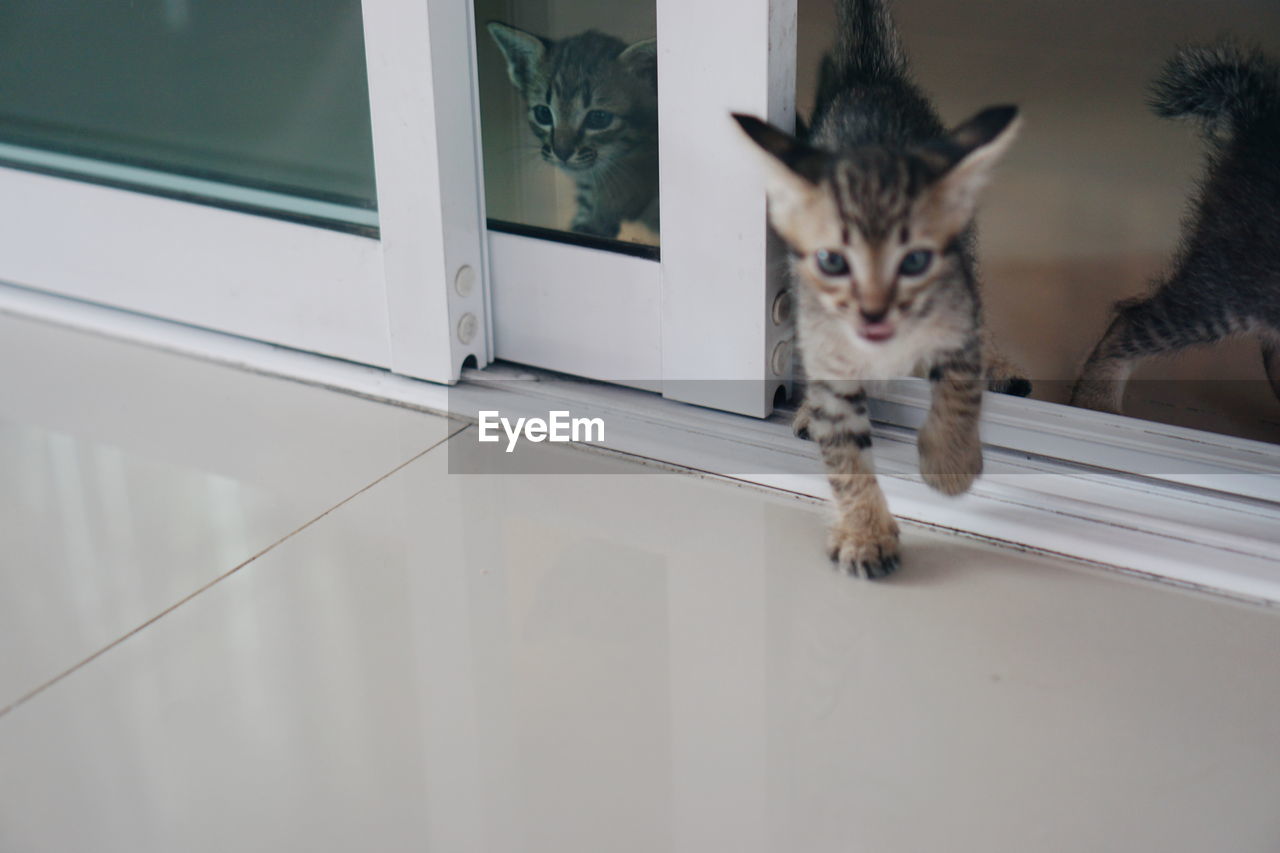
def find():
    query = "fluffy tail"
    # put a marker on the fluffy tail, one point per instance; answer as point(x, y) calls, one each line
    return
point(1223, 85)
point(868, 47)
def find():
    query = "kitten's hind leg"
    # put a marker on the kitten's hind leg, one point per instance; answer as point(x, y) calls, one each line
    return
point(1160, 324)
point(949, 446)
point(1271, 361)
point(1102, 381)
point(1003, 375)
point(800, 422)
point(863, 541)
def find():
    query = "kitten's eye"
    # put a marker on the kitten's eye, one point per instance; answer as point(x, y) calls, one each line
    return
point(915, 263)
point(831, 263)
point(597, 120)
point(542, 115)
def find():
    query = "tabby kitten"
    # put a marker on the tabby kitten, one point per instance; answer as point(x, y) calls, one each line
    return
point(593, 104)
point(1225, 278)
point(876, 208)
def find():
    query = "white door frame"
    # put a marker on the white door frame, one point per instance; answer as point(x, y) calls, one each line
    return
point(426, 144)
point(419, 298)
point(720, 274)
point(252, 276)
point(396, 301)
point(696, 324)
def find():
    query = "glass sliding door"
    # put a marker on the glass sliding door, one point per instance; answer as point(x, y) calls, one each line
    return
point(294, 171)
point(568, 94)
point(313, 174)
point(626, 219)
point(251, 105)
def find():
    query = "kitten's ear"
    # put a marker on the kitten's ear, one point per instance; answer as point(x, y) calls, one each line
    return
point(794, 172)
point(641, 59)
point(967, 159)
point(790, 159)
point(524, 52)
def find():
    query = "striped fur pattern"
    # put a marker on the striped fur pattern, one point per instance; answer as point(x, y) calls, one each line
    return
point(593, 106)
point(1225, 276)
point(876, 206)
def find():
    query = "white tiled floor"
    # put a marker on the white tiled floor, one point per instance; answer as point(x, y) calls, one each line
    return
point(588, 659)
point(131, 479)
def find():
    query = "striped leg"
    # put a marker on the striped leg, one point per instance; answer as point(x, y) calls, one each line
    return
point(864, 538)
point(1102, 381)
point(949, 446)
point(1166, 322)
point(1271, 361)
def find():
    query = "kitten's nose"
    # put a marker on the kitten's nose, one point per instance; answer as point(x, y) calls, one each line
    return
point(874, 316)
point(564, 152)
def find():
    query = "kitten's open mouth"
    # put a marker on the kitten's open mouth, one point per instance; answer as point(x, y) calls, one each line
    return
point(877, 331)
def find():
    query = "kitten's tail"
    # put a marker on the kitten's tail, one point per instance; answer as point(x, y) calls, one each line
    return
point(1222, 85)
point(868, 47)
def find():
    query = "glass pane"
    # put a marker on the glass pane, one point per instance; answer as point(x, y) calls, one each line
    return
point(243, 103)
point(569, 110)
point(1087, 209)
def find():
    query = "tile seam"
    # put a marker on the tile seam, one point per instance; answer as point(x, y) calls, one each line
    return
point(220, 578)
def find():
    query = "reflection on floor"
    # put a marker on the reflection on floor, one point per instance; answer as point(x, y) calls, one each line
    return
point(1086, 210)
point(373, 651)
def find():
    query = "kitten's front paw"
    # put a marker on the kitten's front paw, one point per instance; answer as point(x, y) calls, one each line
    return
point(865, 552)
point(950, 459)
point(596, 228)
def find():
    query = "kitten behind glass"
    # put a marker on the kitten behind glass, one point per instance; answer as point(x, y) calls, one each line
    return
point(592, 103)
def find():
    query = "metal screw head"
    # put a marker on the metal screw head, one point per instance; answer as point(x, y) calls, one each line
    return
point(780, 361)
point(465, 281)
point(781, 308)
point(467, 328)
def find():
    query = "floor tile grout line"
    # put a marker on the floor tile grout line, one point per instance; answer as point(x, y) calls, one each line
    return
point(220, 578)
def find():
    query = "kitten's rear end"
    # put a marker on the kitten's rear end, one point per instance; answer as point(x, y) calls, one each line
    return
point(1225, 277)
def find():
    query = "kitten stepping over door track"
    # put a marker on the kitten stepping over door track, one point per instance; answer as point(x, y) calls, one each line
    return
point(876, 206)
